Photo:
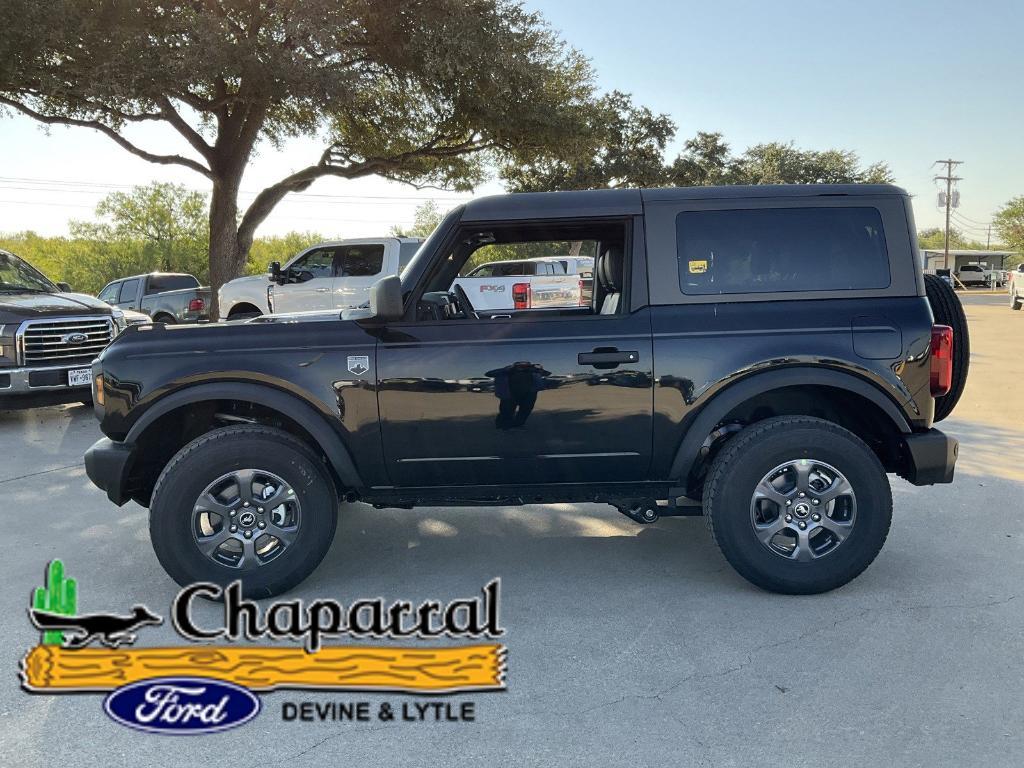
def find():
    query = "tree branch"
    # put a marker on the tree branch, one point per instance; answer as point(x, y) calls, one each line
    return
point(187, 131)
point(265, 201)
point(106, 129)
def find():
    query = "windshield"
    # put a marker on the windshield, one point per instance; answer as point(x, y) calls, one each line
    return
point(18, 275)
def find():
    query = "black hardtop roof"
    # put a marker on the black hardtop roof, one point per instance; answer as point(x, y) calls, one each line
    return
point(595, 202)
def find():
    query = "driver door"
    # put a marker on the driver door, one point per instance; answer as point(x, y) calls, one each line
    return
point(312, 283)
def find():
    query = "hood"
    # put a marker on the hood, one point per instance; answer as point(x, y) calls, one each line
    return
point(241, 282)
point(15, 307)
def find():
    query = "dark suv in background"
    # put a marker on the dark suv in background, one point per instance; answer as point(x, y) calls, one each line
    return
point(48, 337)
point(759, 355)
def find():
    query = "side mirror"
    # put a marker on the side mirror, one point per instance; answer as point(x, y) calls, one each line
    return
point(274, 271)
point(386, 299)
point(64, 287)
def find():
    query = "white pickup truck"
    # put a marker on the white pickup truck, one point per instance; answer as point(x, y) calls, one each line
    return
point(332, 275)
point(543, 282)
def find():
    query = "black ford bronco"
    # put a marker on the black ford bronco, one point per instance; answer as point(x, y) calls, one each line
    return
point(759, 355)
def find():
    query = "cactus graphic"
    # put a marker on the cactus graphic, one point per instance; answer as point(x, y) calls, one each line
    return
point(60, 595)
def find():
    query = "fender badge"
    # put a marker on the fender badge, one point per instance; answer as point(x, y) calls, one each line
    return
point(358, 364)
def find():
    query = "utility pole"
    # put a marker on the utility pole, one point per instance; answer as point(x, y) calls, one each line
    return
point(949, 178)
point(988, 239)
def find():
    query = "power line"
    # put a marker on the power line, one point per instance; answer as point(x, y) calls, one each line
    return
point(57, 185)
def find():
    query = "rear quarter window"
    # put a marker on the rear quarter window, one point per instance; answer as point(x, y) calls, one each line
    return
point(781, 250)
point(162, 283)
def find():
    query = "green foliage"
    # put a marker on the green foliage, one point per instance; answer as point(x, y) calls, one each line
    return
point(1009, 223)
point(934, 238)
point(58, 595)
point(631, 154)
point(157, 227)
point(427, 217)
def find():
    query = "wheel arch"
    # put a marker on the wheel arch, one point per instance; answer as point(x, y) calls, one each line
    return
point(243, 307)
point(192, 411)
point(761, 387)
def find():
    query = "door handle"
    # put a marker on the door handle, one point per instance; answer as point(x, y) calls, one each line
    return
point(322, 290)
point(605, 357)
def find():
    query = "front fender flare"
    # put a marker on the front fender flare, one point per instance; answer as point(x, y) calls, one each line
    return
point(301, 412)
point(735, 394)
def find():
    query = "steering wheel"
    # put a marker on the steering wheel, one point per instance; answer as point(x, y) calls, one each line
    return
point(464, 303)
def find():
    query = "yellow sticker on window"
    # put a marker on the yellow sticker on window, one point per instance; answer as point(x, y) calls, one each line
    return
point(698, 267)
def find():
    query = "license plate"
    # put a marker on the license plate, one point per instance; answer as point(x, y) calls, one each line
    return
point(79, 377)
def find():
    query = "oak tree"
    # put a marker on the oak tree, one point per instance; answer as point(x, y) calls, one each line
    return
point(428, 92)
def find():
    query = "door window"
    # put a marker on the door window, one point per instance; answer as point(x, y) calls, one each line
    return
point(525, 251)
point(109, 293)
point(129, 290)
point(358, 260)
point(318, 263)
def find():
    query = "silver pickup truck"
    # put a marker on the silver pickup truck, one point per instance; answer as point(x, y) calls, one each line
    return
point(164, 296)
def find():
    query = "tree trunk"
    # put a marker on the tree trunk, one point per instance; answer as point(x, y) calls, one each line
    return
point(226, 256)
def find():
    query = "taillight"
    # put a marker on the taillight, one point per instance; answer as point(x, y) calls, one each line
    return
point(942, 360)
point(196, 305)
point(521, 295)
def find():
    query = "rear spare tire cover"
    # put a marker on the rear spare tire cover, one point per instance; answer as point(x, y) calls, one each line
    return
point(948, 310)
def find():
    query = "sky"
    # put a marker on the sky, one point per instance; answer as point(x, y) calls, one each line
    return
point(906, 82)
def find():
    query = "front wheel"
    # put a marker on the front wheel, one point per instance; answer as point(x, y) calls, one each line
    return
point(798, 505)
point(1015, 300)
point(246, 502)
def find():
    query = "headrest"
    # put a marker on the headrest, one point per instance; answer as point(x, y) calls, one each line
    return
point(609, 268)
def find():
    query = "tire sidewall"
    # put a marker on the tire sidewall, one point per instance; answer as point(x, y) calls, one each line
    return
point(203, 461)
point(735, 533)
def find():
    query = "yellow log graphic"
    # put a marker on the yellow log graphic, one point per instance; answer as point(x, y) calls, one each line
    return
point(52, 669)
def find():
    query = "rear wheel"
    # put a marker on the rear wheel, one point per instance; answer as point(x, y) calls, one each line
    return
point(164, 318)
point(798, 505)
point(246, 502)
point(947, 310)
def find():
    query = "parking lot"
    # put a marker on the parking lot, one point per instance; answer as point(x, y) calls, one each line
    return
point(627, 644)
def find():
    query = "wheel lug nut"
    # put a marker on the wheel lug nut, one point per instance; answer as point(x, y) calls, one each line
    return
point(233, 513)
point(789, 518)
point(260, 510)
point(789, 502)
point(816, 518)
point(245, 504)
point(262, 524)
point(802, 526)
point(248, 534)
point(802, 494)
point(234, 528)
point(815, 501)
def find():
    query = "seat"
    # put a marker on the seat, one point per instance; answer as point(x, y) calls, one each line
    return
point(609, 273)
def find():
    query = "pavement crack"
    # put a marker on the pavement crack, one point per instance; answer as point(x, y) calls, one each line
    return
point(42, 472)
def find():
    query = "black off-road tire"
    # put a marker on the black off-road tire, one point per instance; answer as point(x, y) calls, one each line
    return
point(947, 310)
point(754, 452)
point(1016, 302)
point(219, 452)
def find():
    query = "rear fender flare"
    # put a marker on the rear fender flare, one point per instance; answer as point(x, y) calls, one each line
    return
point(735, 394)
point(301, 412)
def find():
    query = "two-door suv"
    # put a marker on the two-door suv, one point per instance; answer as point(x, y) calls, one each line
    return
point(769, 352)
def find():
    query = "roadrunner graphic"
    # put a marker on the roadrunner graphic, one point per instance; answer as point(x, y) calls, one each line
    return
point(109, 629)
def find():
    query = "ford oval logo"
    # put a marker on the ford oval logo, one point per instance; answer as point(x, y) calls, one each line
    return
point(74, 338)
point(182, 705)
